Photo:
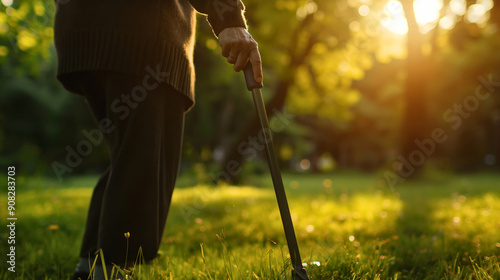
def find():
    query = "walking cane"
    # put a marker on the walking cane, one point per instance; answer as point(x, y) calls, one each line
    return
point(298, 271)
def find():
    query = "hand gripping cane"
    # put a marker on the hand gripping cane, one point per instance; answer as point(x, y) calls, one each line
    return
point(298, 271)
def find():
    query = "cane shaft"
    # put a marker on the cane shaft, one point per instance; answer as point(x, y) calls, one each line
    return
point(277, 180)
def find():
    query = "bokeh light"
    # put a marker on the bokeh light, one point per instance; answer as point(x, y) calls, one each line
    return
point(7, 3)
point(394, 19)
point(363, 10)
point(427, 11)
point(458, 7)
point(447, 22)
point(305, 164)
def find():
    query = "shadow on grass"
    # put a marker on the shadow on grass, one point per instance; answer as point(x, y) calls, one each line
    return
point(446, 225)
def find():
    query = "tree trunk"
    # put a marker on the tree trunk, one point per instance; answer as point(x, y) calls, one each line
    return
point(415, 119)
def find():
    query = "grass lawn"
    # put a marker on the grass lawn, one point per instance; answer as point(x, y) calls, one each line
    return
point(348, 225)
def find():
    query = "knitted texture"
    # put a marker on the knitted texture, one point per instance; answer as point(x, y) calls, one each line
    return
point(145, 37)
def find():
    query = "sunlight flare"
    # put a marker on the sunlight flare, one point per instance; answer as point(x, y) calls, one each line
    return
point(479, 13)
point(458, 7)
point(426, 14)
point(427, 11)
point(394, 19)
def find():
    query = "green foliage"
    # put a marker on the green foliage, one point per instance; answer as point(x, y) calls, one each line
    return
point(466, 73)
point(344, 72)
point(26, 35)
point(307, 49)
point(38, 118)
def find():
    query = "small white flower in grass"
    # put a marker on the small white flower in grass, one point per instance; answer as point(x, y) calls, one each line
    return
point(316, 263)
point(351, 238)
point(456, 220)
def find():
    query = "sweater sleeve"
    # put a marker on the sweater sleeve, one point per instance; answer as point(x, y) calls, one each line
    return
point(221, 13)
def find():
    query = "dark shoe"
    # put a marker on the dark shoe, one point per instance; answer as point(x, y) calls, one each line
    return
point(80, 276)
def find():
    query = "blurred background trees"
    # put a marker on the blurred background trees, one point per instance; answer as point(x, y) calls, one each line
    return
point(348, 84)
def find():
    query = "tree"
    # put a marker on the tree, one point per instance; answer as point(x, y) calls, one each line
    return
point(38, 118)
point(316, 77)
point(415, 119)
point(297, 39)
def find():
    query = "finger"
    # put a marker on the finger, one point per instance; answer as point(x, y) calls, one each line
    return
point(233, 56)
point(226, 48)
point(241, 61)
point(256, 65)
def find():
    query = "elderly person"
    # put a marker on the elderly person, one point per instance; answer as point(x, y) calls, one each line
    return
point(133, 63)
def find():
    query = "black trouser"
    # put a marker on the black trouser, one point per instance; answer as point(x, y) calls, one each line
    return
point(144, 135)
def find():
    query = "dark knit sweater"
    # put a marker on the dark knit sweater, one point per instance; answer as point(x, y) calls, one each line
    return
point(130, 36)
